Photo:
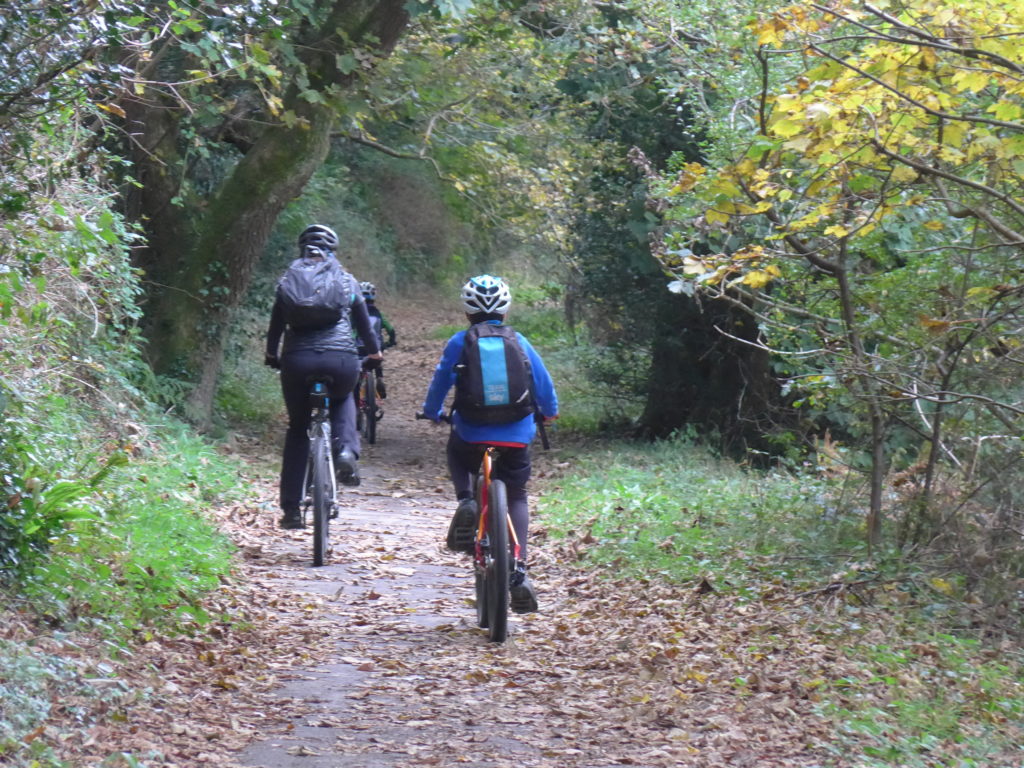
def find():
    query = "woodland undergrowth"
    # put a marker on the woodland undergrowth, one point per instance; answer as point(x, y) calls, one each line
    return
point(918, 674)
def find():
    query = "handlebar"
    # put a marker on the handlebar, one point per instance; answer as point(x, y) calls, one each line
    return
point(446, 417)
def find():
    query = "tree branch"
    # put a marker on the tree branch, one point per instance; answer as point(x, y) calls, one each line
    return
point(970, 53)
point(924, 108)
point(359, 138)
point(927, 170)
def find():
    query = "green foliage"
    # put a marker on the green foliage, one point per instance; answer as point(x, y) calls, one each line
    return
point(866, 237)
point(391, 216)
point(96, 526)
point(249, 393)
point(45, 492)
point(601, 390)
point(108, 533)
point(149, 554)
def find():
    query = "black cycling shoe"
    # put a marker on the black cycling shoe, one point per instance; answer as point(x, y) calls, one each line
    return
point(462, 529)
point(346, 468)
point(291, 520)
point(522, 597)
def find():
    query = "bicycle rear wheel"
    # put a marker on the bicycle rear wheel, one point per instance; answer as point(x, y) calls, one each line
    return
point(323, 495)
point(369, 400)
point(499, 563)
point(359, 410)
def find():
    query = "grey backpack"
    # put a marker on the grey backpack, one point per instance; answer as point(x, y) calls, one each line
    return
point(314, 293)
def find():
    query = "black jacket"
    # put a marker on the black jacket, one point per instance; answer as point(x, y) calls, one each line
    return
point(333, 338)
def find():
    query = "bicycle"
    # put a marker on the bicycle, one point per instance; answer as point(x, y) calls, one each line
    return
point(367, 412)
point(496, 548)
point(319, 488)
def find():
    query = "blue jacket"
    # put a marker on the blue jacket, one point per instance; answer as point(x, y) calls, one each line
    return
point(518, 432)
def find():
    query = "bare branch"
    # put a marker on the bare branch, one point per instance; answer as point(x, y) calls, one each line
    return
point(358, 138)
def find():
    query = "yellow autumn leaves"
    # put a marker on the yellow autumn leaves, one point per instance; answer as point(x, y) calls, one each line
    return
point(896, 95)
point(747, 266)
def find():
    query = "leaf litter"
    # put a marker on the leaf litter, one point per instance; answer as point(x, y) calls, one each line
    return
point(610, 672)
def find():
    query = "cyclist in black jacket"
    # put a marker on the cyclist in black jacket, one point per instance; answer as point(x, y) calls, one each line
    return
point(329, 351)
point(380, 326)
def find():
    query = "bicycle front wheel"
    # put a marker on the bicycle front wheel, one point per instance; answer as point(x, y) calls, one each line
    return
point(498, 562)
point(360, 410)
point(323, 495)
point(370, 403)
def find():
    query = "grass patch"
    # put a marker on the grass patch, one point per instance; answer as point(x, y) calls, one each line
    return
point(445, 332)
point(673, 511)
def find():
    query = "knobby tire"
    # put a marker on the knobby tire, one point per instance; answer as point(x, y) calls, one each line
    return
point(498, 563)
point(320, 459)
point(479, 579)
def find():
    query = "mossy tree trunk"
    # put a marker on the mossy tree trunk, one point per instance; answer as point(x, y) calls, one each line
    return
point(200, 270)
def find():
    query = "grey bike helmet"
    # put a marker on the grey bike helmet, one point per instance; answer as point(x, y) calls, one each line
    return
point(485, 293)
point(369, 291)
point(319, 236)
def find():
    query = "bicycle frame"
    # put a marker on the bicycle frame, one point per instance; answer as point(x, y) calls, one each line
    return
point(319, 421)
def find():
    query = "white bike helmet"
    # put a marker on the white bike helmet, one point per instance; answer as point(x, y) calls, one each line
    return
point(487, 294)
point(319, 236)
point(369, 291)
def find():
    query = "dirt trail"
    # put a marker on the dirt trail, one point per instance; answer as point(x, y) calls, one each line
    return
point(606, 674)
point(398, 689)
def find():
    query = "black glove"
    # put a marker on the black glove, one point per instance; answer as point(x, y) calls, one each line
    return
point(271, 361)
point(371, 363)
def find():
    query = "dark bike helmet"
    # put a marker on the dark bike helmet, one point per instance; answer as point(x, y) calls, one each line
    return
point(486, 294)
point(319, 236)
point(369, 291)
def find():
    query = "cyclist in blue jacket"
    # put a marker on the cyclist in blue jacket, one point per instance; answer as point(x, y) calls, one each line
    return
point(486, 299)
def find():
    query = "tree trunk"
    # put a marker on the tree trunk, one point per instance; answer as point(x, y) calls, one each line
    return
point(869, 392)
point(198, 277)
point(703, 378)
point(236, 228)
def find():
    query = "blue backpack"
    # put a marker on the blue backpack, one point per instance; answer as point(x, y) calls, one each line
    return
point(494, 381)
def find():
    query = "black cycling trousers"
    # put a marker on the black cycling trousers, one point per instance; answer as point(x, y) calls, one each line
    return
point(512, 467)
point(296, 368)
